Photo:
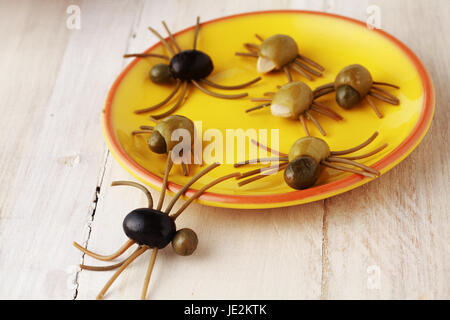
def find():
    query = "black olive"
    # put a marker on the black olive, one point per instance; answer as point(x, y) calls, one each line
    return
point(149, 227)
point(301, 173)
point(160, 73)
point(191, 65)
point(347, 97)
point(157, 143)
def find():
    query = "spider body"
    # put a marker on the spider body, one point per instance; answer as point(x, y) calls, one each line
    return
point(312, 147)
point(280, 52)
point(353, 84)
point(185, 66)
point(160, 140)
point(296, 101)
point(149, 227)
point(191, 65)
point(275, 52)
point(307, 156)
point(292, 100)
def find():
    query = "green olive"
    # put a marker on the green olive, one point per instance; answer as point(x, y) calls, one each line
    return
point(347, 97)
point(167, 126)
point(157, 143)
point(279, 48)
point(355, 76)
point(184, 242)
point(296, 96)
point(313, 147)
point(302, 173)
point(160, 73)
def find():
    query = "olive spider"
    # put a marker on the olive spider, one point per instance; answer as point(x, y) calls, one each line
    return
point(353, 84)
point(186, 66)
point(160, 139)
point(303, 163)
point(278, 52)
point(150, 228)
point(295, 100)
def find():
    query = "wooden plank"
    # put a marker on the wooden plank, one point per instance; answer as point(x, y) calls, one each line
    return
point(390, 239)
point(54, 82)
point(256, 254)
point(387, 239)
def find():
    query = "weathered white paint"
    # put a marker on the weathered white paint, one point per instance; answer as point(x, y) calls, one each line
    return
point(387, 239)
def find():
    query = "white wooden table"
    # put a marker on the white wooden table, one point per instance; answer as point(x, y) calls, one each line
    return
point(387, 239)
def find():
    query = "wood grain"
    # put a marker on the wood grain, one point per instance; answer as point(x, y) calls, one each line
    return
point(54, 82)
point(399, 225)
point(387, 239)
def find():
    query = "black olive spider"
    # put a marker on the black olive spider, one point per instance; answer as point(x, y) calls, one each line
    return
point(153, 228)
point(186, 66)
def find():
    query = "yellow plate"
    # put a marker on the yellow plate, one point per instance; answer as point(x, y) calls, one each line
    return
point(333, 41)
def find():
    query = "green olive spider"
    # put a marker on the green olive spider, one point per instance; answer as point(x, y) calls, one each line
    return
point(154, 229)
point(296, 101)
point(160, 139)
point(280, 52)
point(304, 162)
point(353, 84)
point(185, 66)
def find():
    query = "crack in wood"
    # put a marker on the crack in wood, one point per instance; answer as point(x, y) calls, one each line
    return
point(131, 36)
point(93, 209)
point(323, 280)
